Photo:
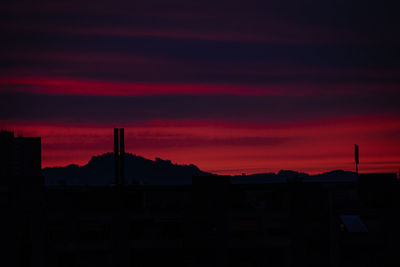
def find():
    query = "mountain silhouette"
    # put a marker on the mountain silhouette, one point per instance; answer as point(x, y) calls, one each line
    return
point(289, 176)
point(100, 172)
point(138, 170)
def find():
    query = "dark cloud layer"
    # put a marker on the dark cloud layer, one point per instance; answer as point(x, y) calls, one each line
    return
point(139, 109)
point(208, 42)
point(309, 44)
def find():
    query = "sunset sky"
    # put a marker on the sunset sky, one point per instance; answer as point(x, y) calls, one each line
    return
point(230, 86)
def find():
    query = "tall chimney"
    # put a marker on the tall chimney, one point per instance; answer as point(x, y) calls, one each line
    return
point(116, 157)
point(122, 156)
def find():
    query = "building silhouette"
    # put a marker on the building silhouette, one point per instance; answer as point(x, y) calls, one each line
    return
point(19, 156)
point(211, 222)
point(216, 223)
point(21, 192)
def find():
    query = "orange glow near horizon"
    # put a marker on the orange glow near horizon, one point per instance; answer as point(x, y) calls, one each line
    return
point(229, 148)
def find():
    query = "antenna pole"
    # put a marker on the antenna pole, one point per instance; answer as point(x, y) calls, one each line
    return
point(121, 156)
point(116, 157)
point(356, 157)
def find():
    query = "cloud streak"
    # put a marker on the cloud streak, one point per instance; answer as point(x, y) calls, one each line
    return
point(132, 109)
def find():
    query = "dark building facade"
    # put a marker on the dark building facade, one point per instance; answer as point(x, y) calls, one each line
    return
point(211, 222)
point(21, 202)
point(216, 223)
point(20, 156)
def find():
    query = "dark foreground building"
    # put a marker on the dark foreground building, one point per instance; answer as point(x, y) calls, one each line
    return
point(21, 200)
point(209, 223)
point(19, 156)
